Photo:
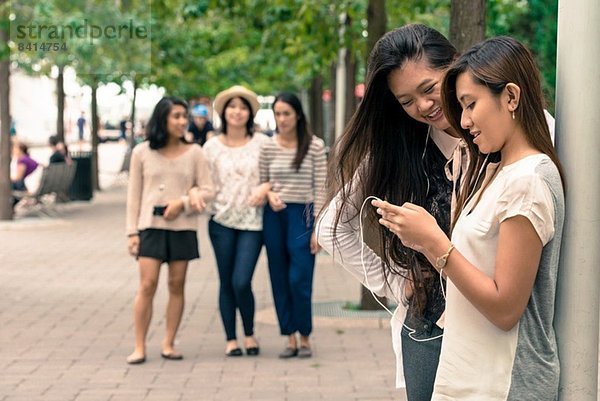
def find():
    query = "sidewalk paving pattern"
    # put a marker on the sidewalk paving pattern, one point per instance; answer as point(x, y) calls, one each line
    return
point(66, 293)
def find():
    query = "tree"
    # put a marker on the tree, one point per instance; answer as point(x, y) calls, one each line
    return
point(107, 59)
point(467, 23)
point(37, 60)
point(6, 210)
point(376, 24)
point(376, 28)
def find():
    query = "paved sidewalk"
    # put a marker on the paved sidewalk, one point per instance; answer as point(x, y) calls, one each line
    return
point(66, 293)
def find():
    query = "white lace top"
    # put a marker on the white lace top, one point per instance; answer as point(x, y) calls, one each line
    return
point(235, 173)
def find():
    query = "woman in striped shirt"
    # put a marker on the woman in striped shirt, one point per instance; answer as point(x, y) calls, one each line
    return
point(293, 164)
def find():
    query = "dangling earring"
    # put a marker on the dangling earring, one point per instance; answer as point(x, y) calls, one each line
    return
point(513, 114)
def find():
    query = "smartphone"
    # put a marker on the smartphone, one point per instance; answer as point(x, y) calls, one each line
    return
point(158, 210)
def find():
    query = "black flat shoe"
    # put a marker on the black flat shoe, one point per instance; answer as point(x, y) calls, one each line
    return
point(172, 357)
point(288, 353)
point(235, 352)
point(252, 351)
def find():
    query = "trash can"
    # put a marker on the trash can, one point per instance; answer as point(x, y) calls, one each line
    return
point(81, 188)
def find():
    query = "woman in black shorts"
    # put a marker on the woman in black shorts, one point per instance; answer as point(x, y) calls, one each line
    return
point(161, 221)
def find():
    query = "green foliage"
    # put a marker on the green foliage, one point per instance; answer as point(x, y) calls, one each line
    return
point(534, 22)
point(203, 46)
point(434, 13)
point(266, 45)
point(100, 59)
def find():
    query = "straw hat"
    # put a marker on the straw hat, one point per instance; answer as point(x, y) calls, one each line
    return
point(236, 91)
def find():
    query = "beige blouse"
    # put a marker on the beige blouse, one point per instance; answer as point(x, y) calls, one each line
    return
point(155, 179)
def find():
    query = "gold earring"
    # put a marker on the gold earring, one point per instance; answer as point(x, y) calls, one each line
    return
point(513, 114)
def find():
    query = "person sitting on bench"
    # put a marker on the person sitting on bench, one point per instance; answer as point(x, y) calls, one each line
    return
point(25, 165)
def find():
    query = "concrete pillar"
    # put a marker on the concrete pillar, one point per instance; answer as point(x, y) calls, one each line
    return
point(578, 143)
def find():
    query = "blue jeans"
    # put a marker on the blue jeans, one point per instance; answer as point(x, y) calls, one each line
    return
point(291, 265)
point(236, 252)
point(420, 358)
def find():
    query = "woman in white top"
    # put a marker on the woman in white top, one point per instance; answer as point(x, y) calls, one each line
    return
point(501, 265)
point(235, 227)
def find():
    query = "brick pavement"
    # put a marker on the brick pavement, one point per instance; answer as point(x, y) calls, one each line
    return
point(66, 293)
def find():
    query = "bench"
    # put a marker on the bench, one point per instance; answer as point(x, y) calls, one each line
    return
point(56, 180)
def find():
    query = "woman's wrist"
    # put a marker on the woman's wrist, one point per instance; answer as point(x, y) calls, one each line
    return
point(133, 235)
point(437, 248)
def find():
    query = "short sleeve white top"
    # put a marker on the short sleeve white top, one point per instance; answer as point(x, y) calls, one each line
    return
point(472, 344)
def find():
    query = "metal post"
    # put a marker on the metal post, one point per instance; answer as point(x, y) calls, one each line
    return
point(340, 93)
point(578, 143)
point(340, 83)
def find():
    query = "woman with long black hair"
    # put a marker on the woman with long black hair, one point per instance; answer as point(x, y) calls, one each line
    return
point(293, 166)
point(396, 147)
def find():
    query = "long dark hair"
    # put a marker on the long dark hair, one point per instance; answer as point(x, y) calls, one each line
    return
point(303, 131)
point(494, 63)
point(249, 123)
point(156, 130)
point(386, 144)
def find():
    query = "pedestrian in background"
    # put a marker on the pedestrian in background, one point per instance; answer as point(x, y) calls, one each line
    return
point(123, 128)
point(201, 129)
point(161, 221)
point(502, 259)
point(235, 227)
point(81, 126)
point(293, 164)
point(24, 165)
point(58, 149)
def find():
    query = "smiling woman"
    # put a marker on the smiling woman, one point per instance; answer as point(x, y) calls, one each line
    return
point(161, 221)
point(417, 86)
point(235, 226)
point(396, 147)
point(502, 260)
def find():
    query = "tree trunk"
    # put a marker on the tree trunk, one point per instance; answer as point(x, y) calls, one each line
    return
point(350, 84)
point(6, 210)
point(316, 105)
point(377, 20)
point(376, 23)
point(132, 137)
point(467, 23)
point(350, 61)
point(95, 138)
point(60, 103)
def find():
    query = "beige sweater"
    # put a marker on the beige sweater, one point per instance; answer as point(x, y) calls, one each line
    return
point(155, 180)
